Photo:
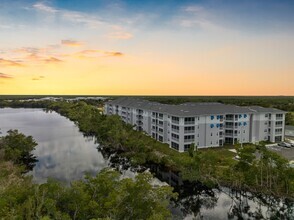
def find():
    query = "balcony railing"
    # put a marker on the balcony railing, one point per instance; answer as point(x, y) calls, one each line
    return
point(175, 122)
point(189, 122)
point(189, 131)
point(279, 118)
point(189, 140)
point(175, 130)
point(175, 139)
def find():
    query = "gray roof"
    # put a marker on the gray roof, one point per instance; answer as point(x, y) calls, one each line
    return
point(186, 109)
point(260, 109)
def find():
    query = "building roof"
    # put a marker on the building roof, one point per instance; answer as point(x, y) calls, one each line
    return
point(190, 108)
point(260, 109)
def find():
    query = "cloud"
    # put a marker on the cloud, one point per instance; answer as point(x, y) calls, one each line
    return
point(38, 78)
point(10, 63)
point(100, 53)
point(5, 76)
point(114, 54)
point(45, 8)
point(195, 16)
point(120, 35)
point(71, 16)
point(53, 60)
point(72, 43)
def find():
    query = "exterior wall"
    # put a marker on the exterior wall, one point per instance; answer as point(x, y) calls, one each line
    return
point(264, 127)
point(203, 130)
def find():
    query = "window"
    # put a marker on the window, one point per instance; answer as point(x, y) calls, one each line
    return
point(175, 128)
point(190, 129)
point(175, 120)
point(160, 115)
point(175, 136)
point(189, 138)
point(175, 145)
point(160, 138)
point(265, 130)
point(186, 147)
point(212, 125)
point(160, 130)
point(189, 121)
point(279, 123)
point(212, 117)
point(266, 115)
point(279, 115)
point(160, 122)
point(211, 134)
point(279, 130)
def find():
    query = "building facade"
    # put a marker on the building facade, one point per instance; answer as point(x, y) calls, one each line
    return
point(203, 124)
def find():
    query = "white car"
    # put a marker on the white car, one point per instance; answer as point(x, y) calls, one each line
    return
point(284, 144)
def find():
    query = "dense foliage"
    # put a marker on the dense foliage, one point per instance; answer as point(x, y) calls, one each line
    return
point(105, 196)
point(210, 166)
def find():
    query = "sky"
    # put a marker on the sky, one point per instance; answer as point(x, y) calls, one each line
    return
point(141, 47)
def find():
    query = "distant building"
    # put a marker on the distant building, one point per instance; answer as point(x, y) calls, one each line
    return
point(204, 124)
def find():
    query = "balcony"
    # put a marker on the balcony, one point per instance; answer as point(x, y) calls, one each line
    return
point(139, 117)
point(189, 140)
point(229, 118)
point(175, 130)
point(189, 122)
point(175, 122)
point(189, 131)
point(139, 122)
point(279, 118)
point(175, 139)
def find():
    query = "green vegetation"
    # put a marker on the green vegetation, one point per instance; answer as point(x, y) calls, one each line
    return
point(290, 118)
point(105, 196)
point(210, 166)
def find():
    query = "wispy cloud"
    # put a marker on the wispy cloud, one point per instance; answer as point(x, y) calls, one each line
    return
point(38, 78)
point(53, 60)
point(45, 8)
point(10, 63)
point(71, 16)
point(195, 16)
point(98, 53)
point(120, 35)
point(72, 43)
point(5, 76)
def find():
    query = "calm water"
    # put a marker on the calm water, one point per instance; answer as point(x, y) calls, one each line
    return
point(63, 152)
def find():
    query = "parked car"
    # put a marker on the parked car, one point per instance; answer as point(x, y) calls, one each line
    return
point(283, 144)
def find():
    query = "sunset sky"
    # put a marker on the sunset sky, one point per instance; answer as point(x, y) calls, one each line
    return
point(156, 47)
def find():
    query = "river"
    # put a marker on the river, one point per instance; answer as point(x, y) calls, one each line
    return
point(65, 154)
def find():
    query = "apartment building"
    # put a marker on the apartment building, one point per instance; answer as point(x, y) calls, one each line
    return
point(204, 124)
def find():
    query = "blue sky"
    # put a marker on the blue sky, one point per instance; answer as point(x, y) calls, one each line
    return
point(176, 42)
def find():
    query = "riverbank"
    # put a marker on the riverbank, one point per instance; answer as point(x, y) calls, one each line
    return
point(269, 174)
point(214, 167)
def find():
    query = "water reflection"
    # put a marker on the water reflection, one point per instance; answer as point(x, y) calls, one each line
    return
point(63, 152)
